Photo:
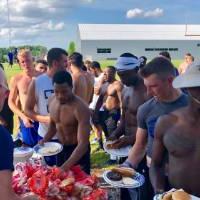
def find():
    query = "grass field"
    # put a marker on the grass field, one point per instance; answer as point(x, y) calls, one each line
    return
point(105, 63)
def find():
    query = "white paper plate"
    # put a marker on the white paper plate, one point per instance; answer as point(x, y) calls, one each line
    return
point(122, 152)
point(159, 197)
point(48, 149)
point(138, 181)
point(23, 152)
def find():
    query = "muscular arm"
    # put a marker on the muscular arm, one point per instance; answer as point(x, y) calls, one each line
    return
point(119, 131)
point(30, 105)
point(138, 150)
point(82, 136)
point(119, 88)
point(12, 99)
point(157, 169)
point(101, 97)
point(51, 131)
point(78, 87)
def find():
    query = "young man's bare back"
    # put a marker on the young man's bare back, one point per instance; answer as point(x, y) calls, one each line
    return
point(83, 85)
point(83, 82)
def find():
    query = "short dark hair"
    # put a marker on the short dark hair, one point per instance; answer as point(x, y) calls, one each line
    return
point(188, 54)
point(112, 68)
point(95, 65)
point(76, 59)
point(61, 77)
point(55, 54)
point(159, 66)
point(166, 54)
point(44, 62)
point(128, 55)
point(143, 61)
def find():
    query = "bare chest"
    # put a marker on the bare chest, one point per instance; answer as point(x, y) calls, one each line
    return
point(23, 85)
point(181, 141)
point(131, 101)
point(63, 115)
point(111, 91)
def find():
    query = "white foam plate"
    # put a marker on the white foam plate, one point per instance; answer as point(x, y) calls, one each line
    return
point(138, 181)
point(22, 151)
point(48, 149)
point(122, 152)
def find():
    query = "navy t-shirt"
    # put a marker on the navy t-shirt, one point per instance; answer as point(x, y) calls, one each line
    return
point(150, 111)
point(6, 150)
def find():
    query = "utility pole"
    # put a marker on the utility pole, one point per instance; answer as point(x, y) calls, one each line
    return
point(9, 27)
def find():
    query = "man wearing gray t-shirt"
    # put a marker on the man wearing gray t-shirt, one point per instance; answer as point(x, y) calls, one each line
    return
point(158, 76)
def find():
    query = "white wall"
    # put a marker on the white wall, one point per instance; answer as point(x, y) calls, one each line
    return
point(89, 48)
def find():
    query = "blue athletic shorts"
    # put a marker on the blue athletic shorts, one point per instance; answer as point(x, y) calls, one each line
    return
point(29, 135)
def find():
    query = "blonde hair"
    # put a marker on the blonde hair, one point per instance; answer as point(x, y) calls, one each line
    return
point(23, 53)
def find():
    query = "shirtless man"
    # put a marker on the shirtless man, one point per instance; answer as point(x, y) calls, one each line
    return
point(18, 88)
point(110, 101)
point(41, 89)
point(83, 82)
point(132, 97)
point(188, 59)
point(95, 70)
point(6, 152)
point(177, 136)
point(72, 129)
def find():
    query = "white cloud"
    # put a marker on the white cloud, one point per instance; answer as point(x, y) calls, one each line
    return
point(137, 12)
point(55, 27)
point(154, 13)
point(134, 13)
point(4, 32)
point(31, 19)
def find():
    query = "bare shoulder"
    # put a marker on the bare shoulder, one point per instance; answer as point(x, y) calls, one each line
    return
point(118, 85)
point(167, 121)
point(15, 79)
point(77, 76)
point(81, 107)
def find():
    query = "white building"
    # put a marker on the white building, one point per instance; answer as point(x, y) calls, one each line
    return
point(108, 41)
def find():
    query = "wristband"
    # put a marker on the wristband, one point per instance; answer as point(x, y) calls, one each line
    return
point(127, 164)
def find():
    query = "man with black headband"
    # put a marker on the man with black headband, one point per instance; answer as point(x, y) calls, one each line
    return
point(132, 97)
point(177, 135)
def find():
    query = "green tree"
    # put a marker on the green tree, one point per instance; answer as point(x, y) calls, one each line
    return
point(71, 48)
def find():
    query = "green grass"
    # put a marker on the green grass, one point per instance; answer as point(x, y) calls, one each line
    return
point(11, 71)
point(105, 63)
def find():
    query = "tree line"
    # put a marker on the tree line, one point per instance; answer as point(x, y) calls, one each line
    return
point(38, 51)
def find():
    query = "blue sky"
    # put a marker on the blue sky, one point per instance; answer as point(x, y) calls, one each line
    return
point(54, 22)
